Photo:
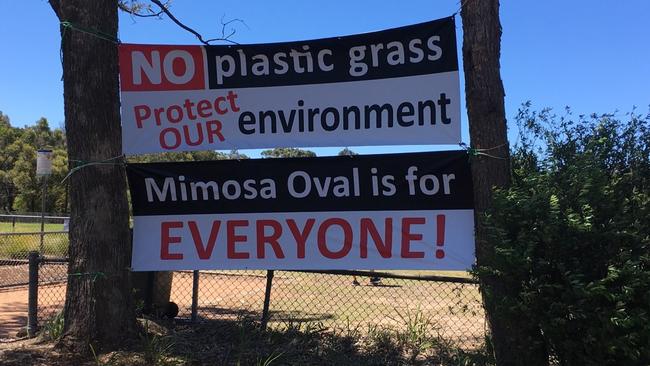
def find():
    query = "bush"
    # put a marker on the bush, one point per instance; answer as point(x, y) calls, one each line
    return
point(572, 235)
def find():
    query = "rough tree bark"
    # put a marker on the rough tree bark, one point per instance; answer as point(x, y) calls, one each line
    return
point(98, 307)
point(516, 341)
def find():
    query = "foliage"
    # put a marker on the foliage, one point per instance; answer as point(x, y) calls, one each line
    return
point(269, 359)
point(155, 348)
point(287, 152)
point(347, 152)
point(53, 328)
point(418, 334)
point(20, 189)
point(186, 156)
point(571, 236)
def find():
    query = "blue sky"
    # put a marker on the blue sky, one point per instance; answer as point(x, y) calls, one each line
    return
point(591, 55)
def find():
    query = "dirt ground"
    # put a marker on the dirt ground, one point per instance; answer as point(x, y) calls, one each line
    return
point(14, 275)
point(332, 300)
point(13, 312)
point(13, 295)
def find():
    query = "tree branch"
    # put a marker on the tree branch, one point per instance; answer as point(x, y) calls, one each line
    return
point(136, 9)
point(171, 16)
point(225, 37)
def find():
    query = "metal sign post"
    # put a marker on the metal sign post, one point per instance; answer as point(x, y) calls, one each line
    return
point(41, 246)
point(43, 169)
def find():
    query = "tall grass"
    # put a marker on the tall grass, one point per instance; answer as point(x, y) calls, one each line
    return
point(27, 227)
point(53, 328)
point(19, 246)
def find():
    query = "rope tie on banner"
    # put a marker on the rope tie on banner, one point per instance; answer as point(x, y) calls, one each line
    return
point(473, 151)
point(80, 164)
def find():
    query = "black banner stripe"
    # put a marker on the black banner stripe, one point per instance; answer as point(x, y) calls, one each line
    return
point(366, 56)
point(437, 180)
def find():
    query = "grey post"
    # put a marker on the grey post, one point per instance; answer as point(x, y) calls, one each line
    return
point(32, 307)
point(41, 247)
point(267, 298)
point(195, 295)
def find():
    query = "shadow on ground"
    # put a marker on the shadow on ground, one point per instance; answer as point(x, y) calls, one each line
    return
point(243, 342)
point(209, 313)
point(13, 317)
point(301, 341)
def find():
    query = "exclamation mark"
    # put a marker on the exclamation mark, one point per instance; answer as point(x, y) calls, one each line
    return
point(440, 237)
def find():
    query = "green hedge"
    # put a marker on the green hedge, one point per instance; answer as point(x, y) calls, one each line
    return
point(572, 236)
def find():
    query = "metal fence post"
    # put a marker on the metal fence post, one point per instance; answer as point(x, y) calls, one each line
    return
point(267, 298)
point(42, 247)
point(32, 307)
point(195, 295)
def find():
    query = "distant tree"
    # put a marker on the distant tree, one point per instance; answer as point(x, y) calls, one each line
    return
point(7, 137)
point(347, 152)
point(178, 156)
point(234, 154)
point(288, 152)
point(186, 156)
point(20, 189)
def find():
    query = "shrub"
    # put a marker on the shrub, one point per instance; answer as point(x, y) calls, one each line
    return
point(572, 235)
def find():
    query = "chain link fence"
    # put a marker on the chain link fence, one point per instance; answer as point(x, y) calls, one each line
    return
point(52, 280)
point(333, 299)
point(31, 222)
point(451, 306)
point(15, 249)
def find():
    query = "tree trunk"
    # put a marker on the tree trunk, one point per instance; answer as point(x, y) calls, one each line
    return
point(516, 341)
point(98, 306)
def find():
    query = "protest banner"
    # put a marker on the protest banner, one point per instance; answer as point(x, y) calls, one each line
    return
point(393, 87)
point(393, 211)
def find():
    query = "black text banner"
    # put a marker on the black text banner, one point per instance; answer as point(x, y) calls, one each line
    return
point(393, 87)
point(395, 211)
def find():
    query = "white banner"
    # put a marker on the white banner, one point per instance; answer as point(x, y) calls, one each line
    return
point(393, 87)
point(391, 240)
point(284, 116)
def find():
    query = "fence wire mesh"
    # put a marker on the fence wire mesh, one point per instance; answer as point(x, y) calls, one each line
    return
point(15, 248)
point(31, 222)
point(336, 300)
point(52, 279)
point(451, 309)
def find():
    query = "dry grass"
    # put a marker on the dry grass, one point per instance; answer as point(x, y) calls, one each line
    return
point(243, 342)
